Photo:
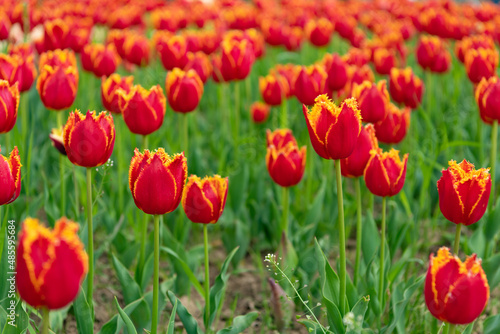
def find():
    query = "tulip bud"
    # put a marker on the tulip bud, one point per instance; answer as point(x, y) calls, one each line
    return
point(333, 130)
point(292, 38)
point(56, 136)
point(157, 180)
point(109, 86)
point(372, 100)
point(117, 38)
point(9, 98)
point(288, 72)
point(274, 88)
point(204, 199)
point(405, 87)
point(56, 34)
point(385, 173)
point(481, 63)
point(464, 192)
point(200, 63)
point(259, 112)
point(354, 165)
point(473, 42)
point(384, 60)
point(105, 60)
point(10, 177)
point(309, 82)
point(89, 139)
point(336, 69)
point(184, 90)
point(26, 71)
point(136, 49)
point(455, 292)
point(393, 128)
point(319, 31)
point(143, 111)
point(57, 86)
point(51, 264)
point(172, 50)
point(284, 160)
point(432, 54)
point(237, 59)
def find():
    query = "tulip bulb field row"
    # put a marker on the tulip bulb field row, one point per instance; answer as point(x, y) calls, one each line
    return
point(284, 166)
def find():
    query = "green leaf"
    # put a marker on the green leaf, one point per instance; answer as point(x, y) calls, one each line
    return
point(128, 323)
point(312, 327)
point(130, 289)
point(240, 323)
point(359, 311)
point(114, 326)
point(492, 325)
point(328, 278)
point(187, 270)
point(171, 320)
point(477, 242)
point(468, 329)
point(335, 320)
point(216, 292)
point(491, 268)
point(147, 272)
point(370, 241)
point(83, 314)
point(190, 324)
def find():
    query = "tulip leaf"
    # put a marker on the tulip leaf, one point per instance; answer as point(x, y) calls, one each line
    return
point(3, 319)
point(469, 328)
point(187, 270)
point(130, 289)
point(359, 311)
point(312, 327)
point(370, 241)
point(147, 272)
point(491, 267)
point(491, 225)
point(477, 242)
point(171, 320)
point(240, 323)
point(189, 322)
point(492, 325)
point(128, 323)
point(83, 314)
point(328, 278)
point(216, 292)
point(114, 326)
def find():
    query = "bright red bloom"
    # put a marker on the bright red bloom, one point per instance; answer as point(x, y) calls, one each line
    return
point(5, 26)
point(432, 54)
point(333, 130)
point(143, 110)
point(385, 173)
point(273, 88)
point(393, 128)
point(157, 180)
point(184, 90)
point(464, 192)
point(89, 139)
point(309, 82)
point(10, 180)
point(337, 71)
point(109, 86)
point(204, 199)
point(136, 49)
point(117, 37)
point(9, 99)
point(237, 59)
point(473, 42)
point(51, 264)
point(200, 63)
point(319, 32)
point(372, 100)
point(57, 86)
point(405, 87)
point(354, 165)
point(481, 63)
point(172, 50)
point(25, 72)
point(487, 92)
point(56, 58)
point(56, 34)
point(384, 60)
point(273, 31)
point(455, 292)
point(102, 60)
point(284, 160)
point(259, 112)
point(56, 136)
point(292, 38)
point(288, 72)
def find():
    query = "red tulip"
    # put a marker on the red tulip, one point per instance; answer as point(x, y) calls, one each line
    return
point(455, 292)
point(287, 71)
point(172, 50)
point(354, 165)
point(51, 264)
point(259, 112)
point(333, 130)
point(10, 177)
point(473, 42)
point(284, 160)
point(309, 82)
point(372, 100)
point(384, 60)
point(56, 34)
point(26, 71)
point(56, 136)
point(184, 90)
point(204, 199)
point(9, 98)
point(143, 110)
point(89, 139)
point(385, 173)
point(104, 59)
point(481, 63)
point(117, 37)
point(136, 49)
point(109, 86)
point(237, 59)
point(5, 26)
point(464, 192)
point(405, 87)
point(58, 58)
point(432, 54)
point(157, 181)
point(200, 63)
point(274, 88)
point(57, 86)
point(319, 31)
point(336, 69)
point(393, 128)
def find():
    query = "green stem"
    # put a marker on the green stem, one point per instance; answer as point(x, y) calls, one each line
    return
point(90, 251)
point(45, 321)
point(309, 171)
point(284, 116)
point(456, 245)
point(156, 278)
point(144, 225)
point(120, 163)
point(24, 115)
point(382, 251)
point(248, 88)
point(236, 125)
point(341, 229)
point(61, 169)
point(451, 328)
point(75, 185)
point(207, 279)
point(479, 138)
point(358, 230)
point(185, 133)
point(284, 222)
point(493, 160)
point(144, 142)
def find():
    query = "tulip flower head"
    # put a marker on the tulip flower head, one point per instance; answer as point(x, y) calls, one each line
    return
point(385, 172)
point(285, 161)
point(10, 172)
point(274, 88)
point(200, 63)
point(157, 180)
point(56, 136)
point(89, 139)
point(9, 98)
point(405, 87)
point(432, 54)
point(487, 93)
point(372, 100)
point(481, 63)
point(309, 82)
point(259, 112)
point(51, 264)
point(319, 31)
point(204, 199)
point(184, 90)
point(333, 130)
point(109, 86)
point(172, 50)
point(455, 292)
point(384, 60)
point(355, 164)
point(57, 86)
point(336, 69)
point(237, 59)
point(464, 192)
point(394, 127)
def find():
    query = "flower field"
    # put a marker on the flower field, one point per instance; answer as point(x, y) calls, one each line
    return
point(229, 166)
